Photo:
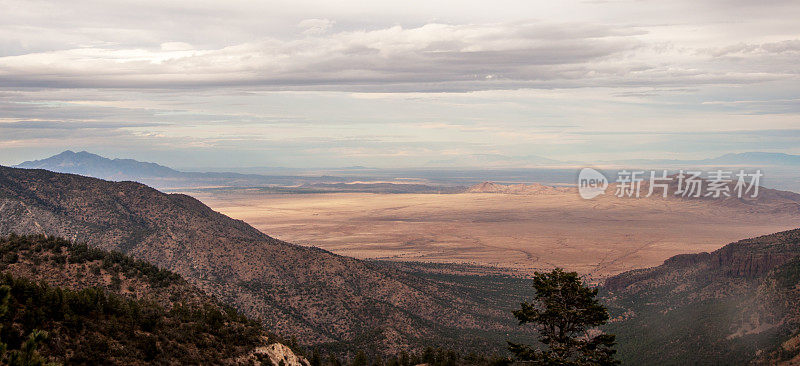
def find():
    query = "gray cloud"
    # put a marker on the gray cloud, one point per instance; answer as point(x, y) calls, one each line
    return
point(67, 125)
point(482, 56)
point(433, 57)
point(389, 82)
point(786, 46)
point(382, 46)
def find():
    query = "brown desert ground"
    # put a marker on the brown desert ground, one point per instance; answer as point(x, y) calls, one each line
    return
point(599, 237)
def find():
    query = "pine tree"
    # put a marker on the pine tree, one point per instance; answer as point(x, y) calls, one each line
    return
point(315, 359)
point(360, 359)
point(5, 296)
point(566, 313)
point(27, 355)
point(404, 359)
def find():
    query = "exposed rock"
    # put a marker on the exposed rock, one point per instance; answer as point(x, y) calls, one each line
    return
point(522, 189)
point(278, 354)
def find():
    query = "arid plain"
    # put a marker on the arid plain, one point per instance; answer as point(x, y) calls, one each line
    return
point(599, 237)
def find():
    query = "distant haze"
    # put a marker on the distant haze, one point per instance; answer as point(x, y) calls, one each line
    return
point(780, 171)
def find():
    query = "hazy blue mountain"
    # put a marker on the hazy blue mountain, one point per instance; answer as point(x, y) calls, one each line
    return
point(92, 165)
point(781, 172)
point(749, 159)
point(757, 159)
point(297, 180)
point(494, 161)
point(96, 166)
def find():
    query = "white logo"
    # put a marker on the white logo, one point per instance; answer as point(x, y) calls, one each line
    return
point(591, 183)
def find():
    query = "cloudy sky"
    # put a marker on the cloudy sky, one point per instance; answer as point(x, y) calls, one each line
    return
point(397, 83)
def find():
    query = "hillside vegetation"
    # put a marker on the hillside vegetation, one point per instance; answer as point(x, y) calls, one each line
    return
point(100, 307)
point(736, 305)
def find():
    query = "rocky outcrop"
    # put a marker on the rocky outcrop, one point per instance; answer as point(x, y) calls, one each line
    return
point(277, 354)
point(746, 259)
point(730, 306)
point(522, 189)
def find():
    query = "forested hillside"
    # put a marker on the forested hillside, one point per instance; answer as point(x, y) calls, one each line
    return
point(736, 305)
point(99, 307)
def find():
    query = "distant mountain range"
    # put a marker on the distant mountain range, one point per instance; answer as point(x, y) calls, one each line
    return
point(92, 165)
point(161, 177)
point(493, 161)
point(748, 159)
point(757, 158)
point(532, 168)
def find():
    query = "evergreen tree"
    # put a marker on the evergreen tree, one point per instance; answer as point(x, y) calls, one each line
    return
point(27, 355)
point(315, 359)
point(360, 359)
point(566, 313)
point(5, 296)
point(404, 359)
point(333, 361)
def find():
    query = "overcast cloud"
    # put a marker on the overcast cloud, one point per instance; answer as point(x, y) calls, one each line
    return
point(309, 84)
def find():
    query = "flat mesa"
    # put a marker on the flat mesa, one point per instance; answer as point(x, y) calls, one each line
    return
point(601, 237)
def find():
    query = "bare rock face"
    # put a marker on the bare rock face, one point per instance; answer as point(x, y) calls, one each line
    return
point(522, 189)
point(279, 354)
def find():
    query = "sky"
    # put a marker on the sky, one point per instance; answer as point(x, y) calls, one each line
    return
point(388, 84)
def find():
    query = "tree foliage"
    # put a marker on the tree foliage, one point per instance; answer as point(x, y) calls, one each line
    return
point(96, 325)
point(566, 314)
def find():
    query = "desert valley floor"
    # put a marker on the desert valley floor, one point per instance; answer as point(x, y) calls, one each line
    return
point(599, 237)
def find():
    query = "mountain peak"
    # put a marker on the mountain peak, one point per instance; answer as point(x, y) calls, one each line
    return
point(93, 165)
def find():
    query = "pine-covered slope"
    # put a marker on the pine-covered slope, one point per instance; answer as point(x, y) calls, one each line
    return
point(737, 305)
point(101, 307)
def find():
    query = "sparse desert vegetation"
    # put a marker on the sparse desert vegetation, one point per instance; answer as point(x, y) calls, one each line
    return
point(599, 237)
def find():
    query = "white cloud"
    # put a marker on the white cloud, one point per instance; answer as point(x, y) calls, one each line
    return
point(430, 57)
point(433, 53)
point(314, 27)
point(786, 46)
point(176, 46)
